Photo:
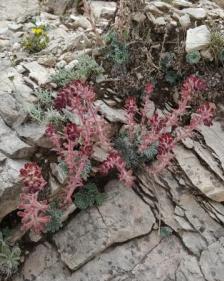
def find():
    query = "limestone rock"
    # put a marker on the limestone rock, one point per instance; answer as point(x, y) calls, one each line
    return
point(214, 137)
point(189, 270)
point(10, 186)
point(185, 21)
point(121, 217)
point(200, 177)
point(212, 261)
point(58, 7)
point(11, 145)
point(37, 72)
point(80, 21)
point(15, 9)
point(198, 38)
point(112, 114)
point(103, 8)
point(34, 134)
point(11, 110)
point(196, 13)
point(182, 3)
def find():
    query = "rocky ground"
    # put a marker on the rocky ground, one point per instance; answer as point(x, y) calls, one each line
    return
point(119, 240)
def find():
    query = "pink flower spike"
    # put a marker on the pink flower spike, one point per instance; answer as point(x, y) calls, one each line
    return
point(166, 143)
point(33, 213)
point(206, 112)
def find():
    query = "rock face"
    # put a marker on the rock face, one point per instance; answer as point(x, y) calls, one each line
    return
point(10, 186)
point(21, 9)
point(198, 38)
point(200, 176)
point(93, 231)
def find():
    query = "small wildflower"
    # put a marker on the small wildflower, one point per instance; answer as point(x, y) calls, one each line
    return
point(38, 31)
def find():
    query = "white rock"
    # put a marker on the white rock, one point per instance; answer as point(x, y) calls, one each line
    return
point(185, 21)
point(207, 54)
point(37, 72)
point(182, 3)
point(198, 38)
point(197, 13)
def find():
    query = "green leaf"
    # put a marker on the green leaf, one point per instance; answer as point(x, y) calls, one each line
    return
point(88, 196)
point(193, 57)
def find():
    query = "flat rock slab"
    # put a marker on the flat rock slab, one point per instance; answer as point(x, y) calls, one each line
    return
point(199, 176)
point(122, 216)
point(14, 9)
point(212, 261)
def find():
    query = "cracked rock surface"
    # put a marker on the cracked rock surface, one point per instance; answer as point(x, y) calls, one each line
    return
point(119, 240)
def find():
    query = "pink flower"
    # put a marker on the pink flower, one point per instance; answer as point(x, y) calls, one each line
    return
point(114, 160)
point(166, 142)
point(157, 123)
point(131, 105)
point(32, 178)
point(149, 88)
point(206, 112)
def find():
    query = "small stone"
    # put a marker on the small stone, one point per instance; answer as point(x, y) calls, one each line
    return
point(207, 54)
point(182, 3)
point(103, 9)
point(80, 21)
point(185, 21)
point(15, 26)
point(37, 72)
point(198, 38)
point(112, 114)
point(160, 21)
point(197, 13)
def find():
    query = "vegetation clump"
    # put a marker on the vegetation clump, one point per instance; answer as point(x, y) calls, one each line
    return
point(9, 259)
point(36, 40)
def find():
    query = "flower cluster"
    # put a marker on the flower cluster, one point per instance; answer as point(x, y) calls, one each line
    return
point(32, 211)
point(74, 144)
point(166, 130)
point(115, 160)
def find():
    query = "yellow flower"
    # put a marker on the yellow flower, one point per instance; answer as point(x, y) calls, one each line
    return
point(37, 31)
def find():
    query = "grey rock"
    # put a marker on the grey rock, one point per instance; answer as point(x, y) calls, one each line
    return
point(121, 217)
point(34, 135)
point(200, 177)
point(103, 8)
point(185, 21)
point(212, 261)
point(10, 186)
point(80, 21)
point(37, 72)
point(11, 145)
point(58, 7)
point(14, 9)
point(189, 270)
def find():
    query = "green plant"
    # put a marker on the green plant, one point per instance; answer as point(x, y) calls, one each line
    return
point(172, 77)
point(36, 40)
point(193, 57)
point(116, 50)
point(167, 60)
point(216, 44)
point(134, 159)
point(9, 259)
point(88, 196)
point(55, 215)
point(85, 67)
